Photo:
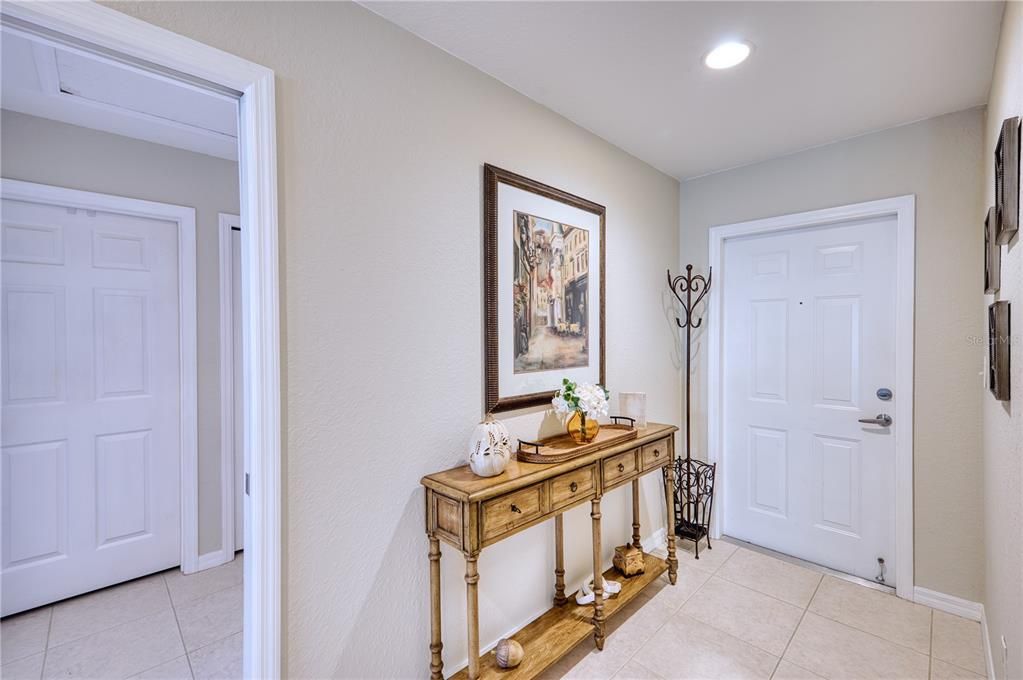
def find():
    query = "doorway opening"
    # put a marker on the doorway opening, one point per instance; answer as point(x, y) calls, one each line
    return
point(146, 338)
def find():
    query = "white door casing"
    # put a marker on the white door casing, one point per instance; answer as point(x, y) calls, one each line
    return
point(231, 390)
point(99, 399)
point(788, 382)
point(153, 49)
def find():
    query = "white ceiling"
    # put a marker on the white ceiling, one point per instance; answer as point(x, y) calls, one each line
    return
point(632, 72)
point(71, 86)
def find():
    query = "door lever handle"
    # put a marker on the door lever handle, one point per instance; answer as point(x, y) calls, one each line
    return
point(882, 419)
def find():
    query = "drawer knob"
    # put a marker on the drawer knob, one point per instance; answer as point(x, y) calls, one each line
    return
point(573, 487)
point(621, 467)
point(657, 453)
point(515, 508)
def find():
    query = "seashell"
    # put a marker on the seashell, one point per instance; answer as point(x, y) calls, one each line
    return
point(509, 653)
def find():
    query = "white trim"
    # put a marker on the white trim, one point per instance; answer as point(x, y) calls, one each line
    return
point(225, 553)
point(950, 604)
point(184, 218)
point(904, 209)
point(988, 656)
point(159, 50)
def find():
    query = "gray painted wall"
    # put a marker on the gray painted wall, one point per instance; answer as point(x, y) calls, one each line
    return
point(381, 142)
point(1003, 421)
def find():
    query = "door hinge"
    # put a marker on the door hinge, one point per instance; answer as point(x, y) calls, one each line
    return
point(247, 484)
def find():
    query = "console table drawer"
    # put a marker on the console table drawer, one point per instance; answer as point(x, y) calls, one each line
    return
point(573, 487)
point(654, 455)
point(620, 468)
point(507, 513)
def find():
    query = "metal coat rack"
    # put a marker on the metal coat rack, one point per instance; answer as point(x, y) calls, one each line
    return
point(694, 487)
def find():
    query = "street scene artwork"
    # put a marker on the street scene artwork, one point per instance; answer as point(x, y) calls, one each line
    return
point(550, 294)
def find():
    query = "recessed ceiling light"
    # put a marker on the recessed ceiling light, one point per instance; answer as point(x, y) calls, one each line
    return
point(727, 55)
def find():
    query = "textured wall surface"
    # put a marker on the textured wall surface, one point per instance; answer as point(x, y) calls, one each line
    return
point(381, 142)
point(1003, 421)
point(938, 160)
point(48, 152)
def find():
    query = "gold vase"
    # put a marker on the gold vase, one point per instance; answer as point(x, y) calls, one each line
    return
point(582, 429)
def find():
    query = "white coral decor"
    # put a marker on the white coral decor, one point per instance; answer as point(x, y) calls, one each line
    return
point(587, 398)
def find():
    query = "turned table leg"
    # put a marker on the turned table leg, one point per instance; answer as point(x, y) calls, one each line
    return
point(598, 577)
point(635, 515)
point(559, 561)
point(436, 664)
point(472, 605)
point(669, 503)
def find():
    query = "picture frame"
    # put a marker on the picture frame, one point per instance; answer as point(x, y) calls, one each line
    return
point(543, 290)
point(1007, 167)
point(999, 339)
point(992, 254)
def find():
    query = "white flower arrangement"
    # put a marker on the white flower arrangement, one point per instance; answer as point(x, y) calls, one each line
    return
point(589, 399)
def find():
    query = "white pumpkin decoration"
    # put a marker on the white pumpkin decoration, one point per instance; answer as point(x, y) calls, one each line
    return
point(489, 448)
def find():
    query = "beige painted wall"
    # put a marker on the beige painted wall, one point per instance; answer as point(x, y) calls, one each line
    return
point(381, 142)
point(1003, 421)
point(48, 152)
point(939, 160)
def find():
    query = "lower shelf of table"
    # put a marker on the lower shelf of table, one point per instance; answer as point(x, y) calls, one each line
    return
point(555, 632)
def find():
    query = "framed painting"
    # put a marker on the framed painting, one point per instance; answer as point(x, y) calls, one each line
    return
point(998, 349)
point(992, 254)
point(1007, 165)
point(543, 281)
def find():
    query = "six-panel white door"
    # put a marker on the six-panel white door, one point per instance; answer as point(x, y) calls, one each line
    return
point(91, 401)
point(809, 321)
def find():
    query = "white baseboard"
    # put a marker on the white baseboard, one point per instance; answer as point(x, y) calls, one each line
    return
point(656, 540)
point(950, 604)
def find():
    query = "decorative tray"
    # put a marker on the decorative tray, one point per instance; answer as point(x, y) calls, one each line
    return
point(562, 447)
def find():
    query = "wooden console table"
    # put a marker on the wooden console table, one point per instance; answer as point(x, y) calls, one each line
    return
point(471, 513)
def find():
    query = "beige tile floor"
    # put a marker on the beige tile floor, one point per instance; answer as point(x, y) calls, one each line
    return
point(740, 614)
point(734, 614)
point(167, 626)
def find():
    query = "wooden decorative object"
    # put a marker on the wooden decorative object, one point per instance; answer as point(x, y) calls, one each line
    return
point(992, 254)
point(998, 350)
point(1007, 159)
point(509, 653)
point(628, 559)
point(546, 295)
point(562, 447)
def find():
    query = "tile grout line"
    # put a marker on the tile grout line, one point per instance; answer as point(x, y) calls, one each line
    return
point(181, 636)
point(108, 628)
point(860, 630)
point(807, 607)
point(930, 644)
point(867, 632)
point(46, 648)
point(785, 651)
point(676, 612)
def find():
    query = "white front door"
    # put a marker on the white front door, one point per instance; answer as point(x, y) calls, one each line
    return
point(91, 401)
point(809, 340)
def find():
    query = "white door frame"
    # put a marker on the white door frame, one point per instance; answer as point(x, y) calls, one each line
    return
point(156, 50)
point(226, 222)
point(903, 208)
point(184, 219)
